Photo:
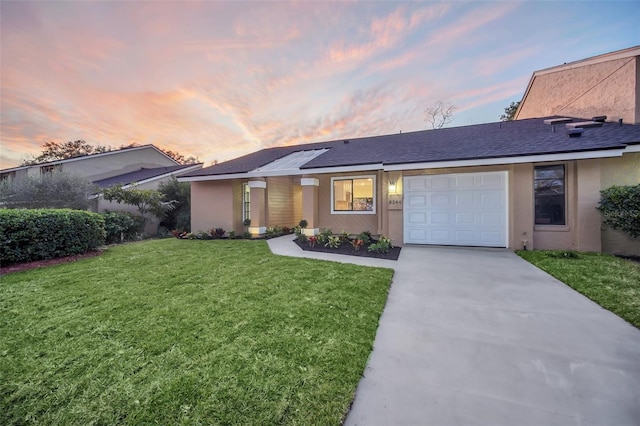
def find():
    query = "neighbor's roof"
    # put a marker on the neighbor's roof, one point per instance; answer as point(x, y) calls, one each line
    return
point(144, 174)
point(466, 145)
point(83, 157)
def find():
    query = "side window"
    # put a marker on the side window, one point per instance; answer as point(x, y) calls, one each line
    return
point(246, 202)
point(549, 189)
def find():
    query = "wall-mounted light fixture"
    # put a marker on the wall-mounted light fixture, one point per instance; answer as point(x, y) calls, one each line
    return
point(392, 186)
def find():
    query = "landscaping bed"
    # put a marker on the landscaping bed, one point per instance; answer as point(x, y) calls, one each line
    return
point(347, 249)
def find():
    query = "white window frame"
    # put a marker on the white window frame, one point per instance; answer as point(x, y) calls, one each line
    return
point(375, 197)
point(246, 214)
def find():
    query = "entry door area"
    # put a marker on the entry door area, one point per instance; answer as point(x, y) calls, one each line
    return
point(463, 209)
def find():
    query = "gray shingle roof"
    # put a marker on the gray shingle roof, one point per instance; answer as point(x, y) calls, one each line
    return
point(139, 175)
point(479, 141)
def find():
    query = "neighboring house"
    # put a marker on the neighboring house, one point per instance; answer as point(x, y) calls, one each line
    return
point(607, 84)
point(532, 182)
point(143, 178)
point(142, 167)
point(98, 166)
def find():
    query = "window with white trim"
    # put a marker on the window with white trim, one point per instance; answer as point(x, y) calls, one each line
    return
point(353, 195)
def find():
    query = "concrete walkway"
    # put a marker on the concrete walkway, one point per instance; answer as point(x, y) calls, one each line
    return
point(481, 337)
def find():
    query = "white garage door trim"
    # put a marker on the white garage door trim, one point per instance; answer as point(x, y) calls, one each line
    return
point(462, 209)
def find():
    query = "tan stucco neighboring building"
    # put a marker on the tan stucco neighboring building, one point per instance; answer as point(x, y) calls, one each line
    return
point(607, 85)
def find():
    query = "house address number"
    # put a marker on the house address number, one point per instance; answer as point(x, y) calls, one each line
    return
point(395, 202)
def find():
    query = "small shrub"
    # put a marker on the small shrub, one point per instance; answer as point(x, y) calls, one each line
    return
point(323, 236)
point(179, 234)
point(121, 227)
point(286, 230)
point(356, 244)
point(365, 236)
point(561, 254)
point(246, 235)
point(232, 235)
point(333, 242)
point(303, 224)
point(620, 206)
point(203, 235)
point(217, 233)
point(381, 246)
point(303, 238)
point(344, 236)
point(272, 232)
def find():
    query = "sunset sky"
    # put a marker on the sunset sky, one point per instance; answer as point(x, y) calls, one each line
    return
point(220, 79)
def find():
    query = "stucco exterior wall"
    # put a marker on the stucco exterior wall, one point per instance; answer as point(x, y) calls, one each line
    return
point(608, 88)
point(521, 207)
point(623, 170)
point(212, 205)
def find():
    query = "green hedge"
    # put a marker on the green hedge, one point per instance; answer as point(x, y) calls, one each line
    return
point(620, 206)
point(27, 235)
point(121, 227)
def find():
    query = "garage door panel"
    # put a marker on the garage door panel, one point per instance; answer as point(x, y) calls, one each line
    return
point(456, 209)
point(491, 218)
point(439, 182)
point(418, 217)
point(464, 182)
point(440, 200)
point(417, 201)
point(465, 199)
point(417, 234)
point(440, 218)
point(465, 217)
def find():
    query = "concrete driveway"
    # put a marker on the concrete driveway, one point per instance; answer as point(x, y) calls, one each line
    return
point(481, 337)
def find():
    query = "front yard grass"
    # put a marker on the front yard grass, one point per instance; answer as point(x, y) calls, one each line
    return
point(611, 282)
point(186, 332)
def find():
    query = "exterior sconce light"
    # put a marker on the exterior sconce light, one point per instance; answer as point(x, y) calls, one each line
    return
point(392, 186)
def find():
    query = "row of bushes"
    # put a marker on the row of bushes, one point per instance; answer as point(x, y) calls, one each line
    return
point(36, 234)
point(220, 233)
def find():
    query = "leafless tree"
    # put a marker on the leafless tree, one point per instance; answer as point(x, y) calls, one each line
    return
point(440, 114)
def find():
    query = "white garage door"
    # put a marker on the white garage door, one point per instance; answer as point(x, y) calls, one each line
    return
point(466, 209)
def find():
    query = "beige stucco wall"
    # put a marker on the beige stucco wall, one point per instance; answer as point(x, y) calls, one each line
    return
point(212, 205)
point(623, 170)
point(608, 88)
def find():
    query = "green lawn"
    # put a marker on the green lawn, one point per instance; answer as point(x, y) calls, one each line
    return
point(611, 282)
point(186, 332)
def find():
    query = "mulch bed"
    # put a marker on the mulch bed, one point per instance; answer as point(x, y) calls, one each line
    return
point(26, 266)
point(347, 249)
point(629, 257)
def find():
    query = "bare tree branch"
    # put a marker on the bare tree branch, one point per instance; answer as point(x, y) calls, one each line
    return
point(440, 114)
